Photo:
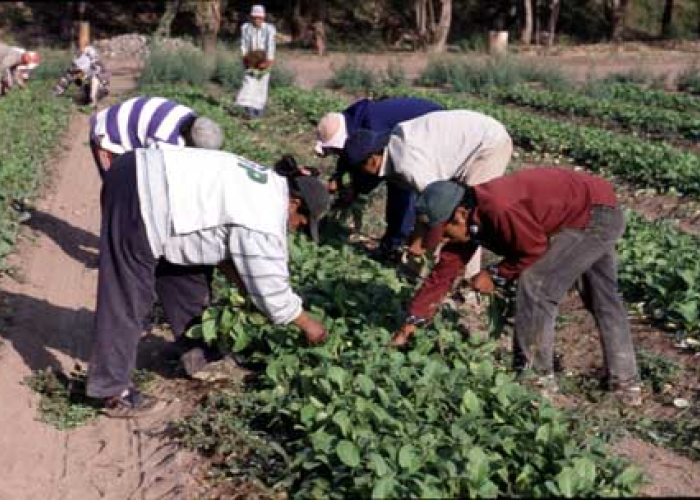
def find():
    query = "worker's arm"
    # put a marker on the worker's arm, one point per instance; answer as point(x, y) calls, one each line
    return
point(425, 302)
point(259, 267)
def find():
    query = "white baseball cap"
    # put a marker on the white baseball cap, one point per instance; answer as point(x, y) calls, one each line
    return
point(332, 132)
point(257, 11)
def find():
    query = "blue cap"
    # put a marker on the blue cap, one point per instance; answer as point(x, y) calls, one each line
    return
point(363, 144)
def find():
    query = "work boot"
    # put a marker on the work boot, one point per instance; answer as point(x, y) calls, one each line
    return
point(628, 394)
point(132, 404)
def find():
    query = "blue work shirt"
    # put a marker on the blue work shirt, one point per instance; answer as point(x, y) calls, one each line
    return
point(381, 117)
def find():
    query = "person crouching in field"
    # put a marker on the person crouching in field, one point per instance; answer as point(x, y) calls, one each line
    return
point(89, 74)
point(143, 122)
point(227, 212)
point(16, 65)
point(555, 229)
point(464, 146)
point(258, 52)
point(381, 117)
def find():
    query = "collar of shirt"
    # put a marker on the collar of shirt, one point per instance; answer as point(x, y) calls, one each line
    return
point(386, 167)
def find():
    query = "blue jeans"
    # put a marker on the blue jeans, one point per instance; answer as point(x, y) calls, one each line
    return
point(400, 215)
point(584, 258)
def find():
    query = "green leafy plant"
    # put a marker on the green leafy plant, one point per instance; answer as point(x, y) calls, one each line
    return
point(30, 122)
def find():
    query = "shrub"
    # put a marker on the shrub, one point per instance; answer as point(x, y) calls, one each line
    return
point(394, 75)
point(228, 70)
point(282, 76)
point(53, 65)
point(472, 76)
point(638, 76)
point(183, 65)
point(353, 77)
point(688, 80)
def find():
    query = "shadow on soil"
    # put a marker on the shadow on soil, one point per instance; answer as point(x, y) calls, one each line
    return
point(77, 243)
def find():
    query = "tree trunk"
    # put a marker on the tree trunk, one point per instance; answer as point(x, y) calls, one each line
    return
point(442, 28)
point(667, 20)
point(526, 33)
point(553, 19)
point(207, 15)
point(618, 11)
point(166, 21)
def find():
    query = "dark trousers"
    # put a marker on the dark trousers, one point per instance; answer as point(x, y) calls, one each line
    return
point(130, 278)
point(585, 258)
point(400, 215)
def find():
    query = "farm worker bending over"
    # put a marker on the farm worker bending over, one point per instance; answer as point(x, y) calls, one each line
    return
point(16, 65)
point(143, 122)
point(555, 229)
point(379, 117)
point(227, 211)
point(258, 52)
point(89, 74)
point(464, 146)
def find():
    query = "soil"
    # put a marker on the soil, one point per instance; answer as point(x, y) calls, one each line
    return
point(46, 314)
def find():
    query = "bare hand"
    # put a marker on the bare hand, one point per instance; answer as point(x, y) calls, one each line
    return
point(483, 283)
point(314, 331)
point(403, 336)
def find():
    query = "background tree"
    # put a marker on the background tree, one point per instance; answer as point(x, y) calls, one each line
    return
point(207, 15)
point(166, 21)
point(667, 20)
point(554, 6)
point(618, 12)
point(526, 33)
point(433, 29)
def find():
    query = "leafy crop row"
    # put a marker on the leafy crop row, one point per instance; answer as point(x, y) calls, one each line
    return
point(631, 93)
point(31, 123)
point(631, 116)
point(354, 419)
point(636, 160)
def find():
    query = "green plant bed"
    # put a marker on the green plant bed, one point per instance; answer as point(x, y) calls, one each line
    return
point(631, 93)
point(32, 123)
point(354, 418)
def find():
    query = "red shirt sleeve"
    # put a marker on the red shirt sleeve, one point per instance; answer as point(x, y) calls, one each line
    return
point(522, 238)
point(453, 258)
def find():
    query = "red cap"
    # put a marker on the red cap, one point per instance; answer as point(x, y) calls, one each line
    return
point(31, 59)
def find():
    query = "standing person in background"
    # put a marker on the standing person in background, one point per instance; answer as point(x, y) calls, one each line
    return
point(89, 74)
point(258, 52)
point(143, 122)
point(16, 65)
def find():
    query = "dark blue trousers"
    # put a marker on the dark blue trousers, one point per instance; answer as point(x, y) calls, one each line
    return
point(400, 215)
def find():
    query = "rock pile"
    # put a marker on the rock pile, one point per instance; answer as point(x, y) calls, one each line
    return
point(136, 45)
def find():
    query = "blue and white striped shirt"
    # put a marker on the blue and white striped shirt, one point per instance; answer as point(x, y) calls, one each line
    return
point(140, 122)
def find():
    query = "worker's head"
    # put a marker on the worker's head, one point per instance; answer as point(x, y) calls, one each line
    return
point(444, 208)
point(257, 15)
point(22, 72)
point(308, 196)
point(364, 151)
point(331, 133)
point(203, 133)
point(30, 59)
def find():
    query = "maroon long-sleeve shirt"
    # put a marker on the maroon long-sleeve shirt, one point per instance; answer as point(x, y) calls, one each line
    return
point(516, 215)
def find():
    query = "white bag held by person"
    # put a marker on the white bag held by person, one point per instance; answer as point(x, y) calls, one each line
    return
point(253, 93)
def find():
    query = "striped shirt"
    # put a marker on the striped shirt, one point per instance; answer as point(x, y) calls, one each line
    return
point(228, 209)
point(140, 122)
point(262, 38)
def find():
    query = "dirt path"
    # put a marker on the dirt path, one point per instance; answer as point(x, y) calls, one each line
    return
point(47, 321)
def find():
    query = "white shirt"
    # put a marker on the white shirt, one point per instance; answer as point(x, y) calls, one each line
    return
point(204, 207)
point(262, 38)
point(440, 145)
